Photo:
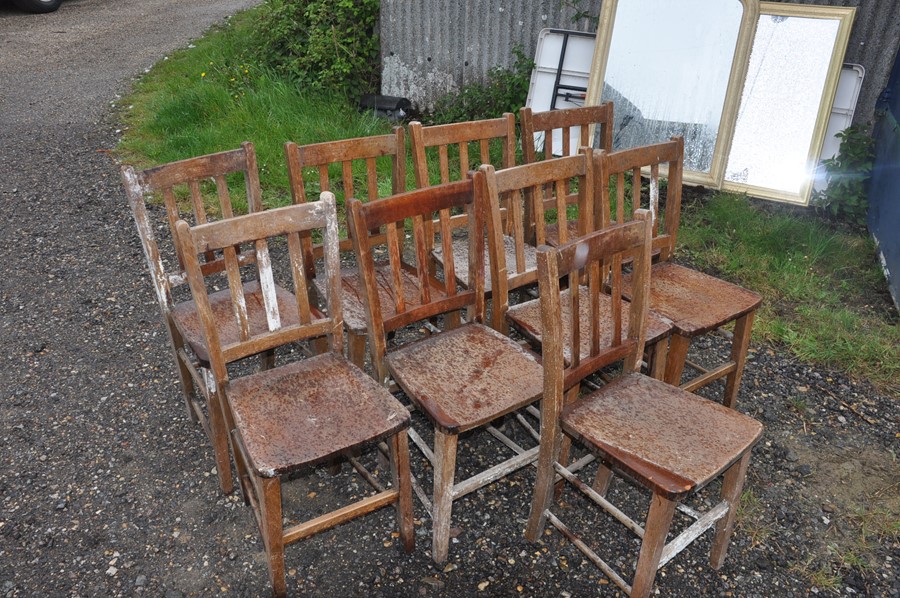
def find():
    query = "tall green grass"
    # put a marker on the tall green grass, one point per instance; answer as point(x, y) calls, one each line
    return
point(211, 98)
point(824, 295)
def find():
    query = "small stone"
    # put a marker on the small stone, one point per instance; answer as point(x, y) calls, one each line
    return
point(433, 583)
point(141, 581)
point(112, 571)
point(829, 507)
point(791, 456)
point(483, 586)
point(450, 567)
point(804, 470)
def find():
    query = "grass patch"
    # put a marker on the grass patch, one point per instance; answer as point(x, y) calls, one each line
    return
point(824, 293)
point(753, 518)
point(211, 98)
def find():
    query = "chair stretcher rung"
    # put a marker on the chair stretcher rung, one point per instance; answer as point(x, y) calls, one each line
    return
point(329, 520)
point(680, 542)
point(708, 376)
point(361, 470)
point(590, 554)
point(495, 473)
point(602, 502)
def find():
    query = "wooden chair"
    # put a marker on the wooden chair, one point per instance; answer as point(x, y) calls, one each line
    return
point(558, 133)
point(493, 141)
point(297, 415)
point(356, 159)
point(694, 302)
point(664, 439)
point(531, 188)
point(185, 190)
point(461, 378)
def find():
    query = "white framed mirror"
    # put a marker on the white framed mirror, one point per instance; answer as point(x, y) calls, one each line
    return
point(792, 77)
point(674, 68)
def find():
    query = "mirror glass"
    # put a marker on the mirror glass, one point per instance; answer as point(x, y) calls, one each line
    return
point(780, 105)
point(668, 71)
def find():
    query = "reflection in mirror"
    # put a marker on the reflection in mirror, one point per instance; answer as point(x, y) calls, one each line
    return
point(787, 96)
point(668, 71)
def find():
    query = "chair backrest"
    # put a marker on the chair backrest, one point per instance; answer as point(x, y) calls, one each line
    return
point(186, 182)
point(454, 140)
point(529, 189)
point(573, 124)
point(596, 259)
point(410, 287)
point(616, 171)
point(256, 232)
point(347, 168)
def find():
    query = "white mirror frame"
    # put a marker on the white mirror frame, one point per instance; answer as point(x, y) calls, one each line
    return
point(844, 16)
point(739, 65)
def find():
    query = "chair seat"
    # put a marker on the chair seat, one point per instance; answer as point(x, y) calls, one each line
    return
point(669, 440)
point(353, 302)
point(310, 411)
point(465, 377)
point(526, 318)
point(551, 232)
point(461, 262)
point(188, 320)
point(695, 302)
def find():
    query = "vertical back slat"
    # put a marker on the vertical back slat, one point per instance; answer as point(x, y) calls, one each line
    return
point(224, 196)
point(267, 285)
point(463, 159)
point(298, 275)
point(238, 303)
point(394, 257)
point(636, 184)
point(484, 146)
point(559, 190)
point(517, 228)
point(537, 200)
point(595, 284)
point(616, 294)
point(197, 201)
point(173, 215)
point(444, 164)
point(654, 197)
point(324, 180)
point(566, 141)
point(574, 313)
point(372, 179)
point(347, 178)
point(422, 250)
point(447, 247)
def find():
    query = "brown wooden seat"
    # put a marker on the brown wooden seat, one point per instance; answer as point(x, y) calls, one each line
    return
point(445, 153)
point(336, 166)
point(462, 377)
point(695, 302)
point(303, 413)
point(661, 437)
point(558, 133)
point(195, 188)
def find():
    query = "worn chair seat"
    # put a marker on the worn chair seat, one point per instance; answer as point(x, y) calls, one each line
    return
point(353, 299)
point(552, 232)
point(461, 260)
point(309, 412)
point(188, 320)
point(684, 441)
point(466, 377)
point(526, 318)
point(695, 302)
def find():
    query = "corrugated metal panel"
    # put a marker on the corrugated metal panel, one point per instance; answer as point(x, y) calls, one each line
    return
point(432, 47)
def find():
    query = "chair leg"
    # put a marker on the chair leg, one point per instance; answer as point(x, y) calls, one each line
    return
point(267, 360)
point(739, 345)
point(655, 531)
point(565, 446)
point(732, 486)
point(401, 479)
point(444, 470)
point(219, 430)
point(240, 464)
point(678, 348)
point(356, 349)
point(551, 443)
point(184, 372)
point(602, 479)
point(273, 532)
point(657, 355)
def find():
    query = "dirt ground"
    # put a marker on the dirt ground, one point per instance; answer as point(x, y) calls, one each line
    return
point(107, 488)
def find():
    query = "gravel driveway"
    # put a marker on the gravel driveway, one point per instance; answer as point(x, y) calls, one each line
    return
point(106, 487)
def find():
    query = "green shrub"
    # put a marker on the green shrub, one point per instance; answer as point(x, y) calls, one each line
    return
point(323, 44)
point(848, 173)
point(504, 90)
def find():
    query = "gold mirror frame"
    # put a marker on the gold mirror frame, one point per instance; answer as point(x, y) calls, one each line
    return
point(738, 73)
point(845, 17)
